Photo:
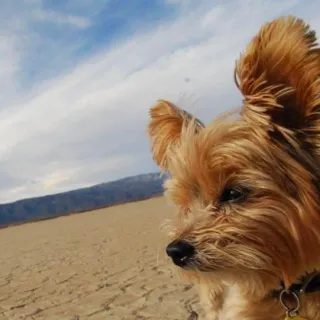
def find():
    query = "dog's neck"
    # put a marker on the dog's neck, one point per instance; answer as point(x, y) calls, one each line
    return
point(225, 302)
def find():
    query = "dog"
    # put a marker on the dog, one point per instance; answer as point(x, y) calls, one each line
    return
point(246, 187)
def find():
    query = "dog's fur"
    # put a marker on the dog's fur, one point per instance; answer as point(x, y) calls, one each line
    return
point(271, 151)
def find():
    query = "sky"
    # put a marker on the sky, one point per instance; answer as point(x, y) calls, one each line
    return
point(79, 76)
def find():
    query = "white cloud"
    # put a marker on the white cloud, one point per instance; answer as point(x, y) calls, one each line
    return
point(56, 18)
point(89, 125)
point(56, 178)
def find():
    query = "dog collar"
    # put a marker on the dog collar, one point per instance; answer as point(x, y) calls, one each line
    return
point(308, 283)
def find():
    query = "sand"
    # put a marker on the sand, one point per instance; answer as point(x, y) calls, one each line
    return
point(106, 264)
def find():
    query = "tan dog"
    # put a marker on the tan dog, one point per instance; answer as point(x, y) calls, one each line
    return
point(247, 187)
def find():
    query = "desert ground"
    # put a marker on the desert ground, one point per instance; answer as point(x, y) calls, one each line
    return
point(106, 264)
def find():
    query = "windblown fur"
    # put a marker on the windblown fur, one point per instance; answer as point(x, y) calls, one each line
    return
point(245, 249)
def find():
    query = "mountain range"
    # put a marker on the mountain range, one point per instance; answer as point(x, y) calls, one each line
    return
point(129, 189)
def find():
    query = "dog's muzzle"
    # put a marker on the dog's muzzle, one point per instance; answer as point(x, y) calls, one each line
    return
point(180, 252)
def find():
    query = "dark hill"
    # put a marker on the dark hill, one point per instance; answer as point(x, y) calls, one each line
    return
point(102, 195)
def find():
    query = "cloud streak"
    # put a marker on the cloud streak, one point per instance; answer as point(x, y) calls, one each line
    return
point(84, 122)
point(56, 18)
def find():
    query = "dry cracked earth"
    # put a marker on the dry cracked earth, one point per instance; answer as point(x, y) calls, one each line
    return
point(107, 264)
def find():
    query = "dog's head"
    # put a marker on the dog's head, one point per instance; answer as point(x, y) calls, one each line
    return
point(248, 188)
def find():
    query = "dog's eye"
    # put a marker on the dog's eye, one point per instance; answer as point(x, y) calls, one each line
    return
point(233, 194)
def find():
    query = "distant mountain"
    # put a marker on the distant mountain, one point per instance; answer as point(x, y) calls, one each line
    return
point(102, 195)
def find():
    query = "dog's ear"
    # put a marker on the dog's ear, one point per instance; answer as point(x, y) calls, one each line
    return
point(166, 127)
point(278, 76)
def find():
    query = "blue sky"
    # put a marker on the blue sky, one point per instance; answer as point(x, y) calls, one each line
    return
point(78, 78)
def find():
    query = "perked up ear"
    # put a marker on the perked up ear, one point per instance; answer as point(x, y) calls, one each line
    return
point(278, 76)
point(166, 127)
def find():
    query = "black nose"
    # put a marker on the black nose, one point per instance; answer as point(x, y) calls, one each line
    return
point(180, 252)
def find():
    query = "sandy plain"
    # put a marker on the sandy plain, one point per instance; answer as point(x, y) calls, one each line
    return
point(107, 264)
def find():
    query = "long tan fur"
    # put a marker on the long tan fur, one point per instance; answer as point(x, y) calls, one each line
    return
point(272, 150)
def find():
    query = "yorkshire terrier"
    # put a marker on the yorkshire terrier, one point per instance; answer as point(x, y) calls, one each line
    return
point(247, 186)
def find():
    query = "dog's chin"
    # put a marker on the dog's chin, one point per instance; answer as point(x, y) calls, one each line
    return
point(197, 266)
point(193, 266)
